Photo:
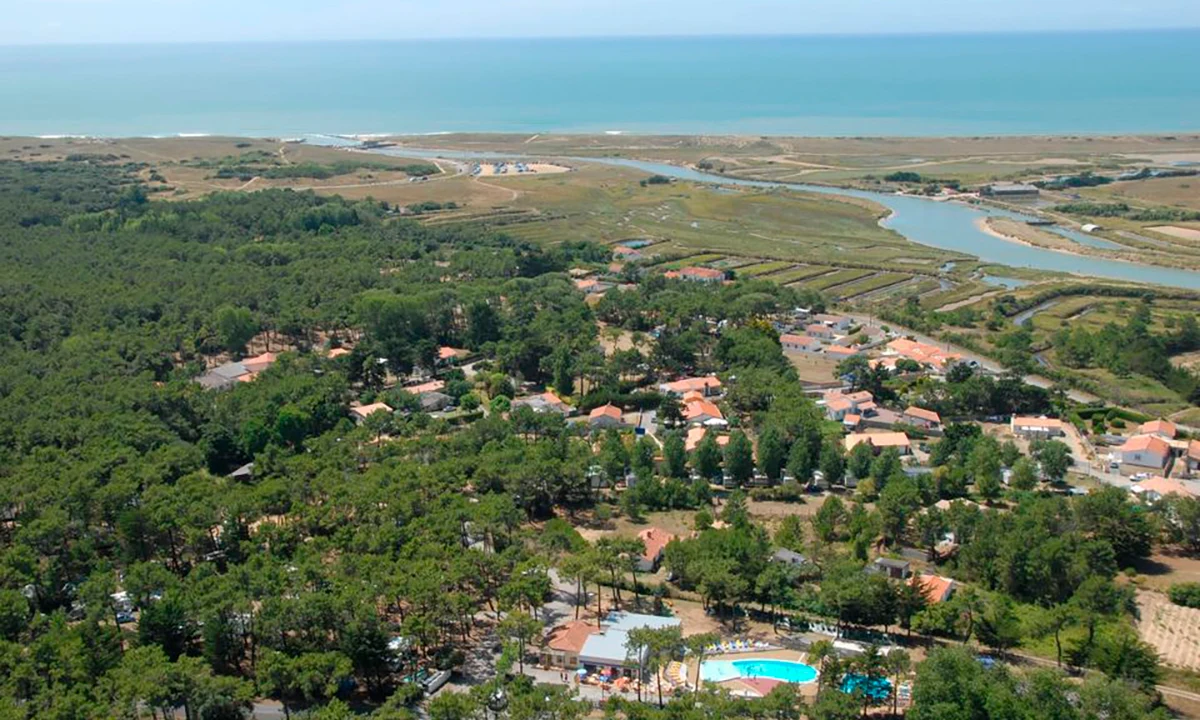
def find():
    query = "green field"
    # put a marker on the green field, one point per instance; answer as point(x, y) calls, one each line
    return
point(691, 260)
point(800, 273)
point(763, 268)
point(871, 283)
point(837, 278)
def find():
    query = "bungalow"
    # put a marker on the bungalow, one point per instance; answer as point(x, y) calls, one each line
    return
point(922, 418)
point(702, 412)
point(880, 441)
point(838, 407)
point(546, 402)
point(819, 331)
point(565, 642)
point(935, 588)
point(838, 352)
point(592, 286)
point(702, 274)
point(433, 401)
point(421, 389)
point(841, 323)
point(625, 252)
point(362, 412)
point(923, 353)
point(799, 343)
point(605, 417)
point(894, 569)
point(708, 386)
point(1036, 428)
point(449, 355)
point(1142, 453)
point(1160, 427)
point(655, 541)
point(1156, 488)
point(696, 434)
point(229, 374)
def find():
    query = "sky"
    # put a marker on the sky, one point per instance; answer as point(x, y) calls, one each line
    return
point(135, 21)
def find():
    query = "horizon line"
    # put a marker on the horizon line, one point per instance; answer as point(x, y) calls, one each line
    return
point(630, 36)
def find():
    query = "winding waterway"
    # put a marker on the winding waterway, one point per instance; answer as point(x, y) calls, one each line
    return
point(941, 224)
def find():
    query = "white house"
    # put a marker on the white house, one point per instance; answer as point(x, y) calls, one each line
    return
point(1144, 453)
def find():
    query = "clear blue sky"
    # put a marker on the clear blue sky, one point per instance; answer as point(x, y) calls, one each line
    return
point(85, 21)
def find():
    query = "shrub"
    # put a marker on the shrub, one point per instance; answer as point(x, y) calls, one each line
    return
point(1186, 594)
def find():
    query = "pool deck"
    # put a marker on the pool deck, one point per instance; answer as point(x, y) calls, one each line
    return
point(756, 687)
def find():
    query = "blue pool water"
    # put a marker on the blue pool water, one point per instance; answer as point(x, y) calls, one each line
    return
point(785, 670)
point(876, 689)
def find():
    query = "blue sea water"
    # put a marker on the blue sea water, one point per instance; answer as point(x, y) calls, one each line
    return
point(828, 86)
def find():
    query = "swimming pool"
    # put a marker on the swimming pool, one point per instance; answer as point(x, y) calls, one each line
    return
point(784, 670)
point(875, 688)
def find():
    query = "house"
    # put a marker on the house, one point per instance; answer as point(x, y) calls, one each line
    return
point(431, 386)
point(819, 331)
point(702, 412)
point(337, 352)
point(1009, 190)
point(1142, 453)
point(1191, 456)
point(702, 274)
point(449, 356)
point(935, 588)
point(564, 643)
point(784, 556)
point(624, 252)
point(838, 407)
point(229, 374)
point(880, 441)
point(696, 434)
point(706, 386)
point(362, 412)
point(922, 418)
point(1160, 427)
point(923, 353)
point(434, 401)
point(841, 353)
point(799, 343)
point(258, 363)
point(655, 541)
point(546, 402)
point(605, 417)
point(894, 569)
point(852, 422)
point(1156, 488)
point(1036, 428)
point(608, 645)
point(592, 286)
point(841, 323)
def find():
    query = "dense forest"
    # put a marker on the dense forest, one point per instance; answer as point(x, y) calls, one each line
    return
point(292, 582)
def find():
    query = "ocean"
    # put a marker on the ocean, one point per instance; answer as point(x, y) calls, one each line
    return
point(1001, 84)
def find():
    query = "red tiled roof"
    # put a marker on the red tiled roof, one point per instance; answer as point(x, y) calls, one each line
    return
point(570, 637)
point(1162, 427)
point(696, 408)
point(924, 414)
point(1165, 486)
point(447, 353)
point(609, 410)
point(655, 539)
point(702, 272)
point(431, 386)
point(1148, 443)
point(700, 384)
point(935, 588)
point(792, 339)
point(365, 411)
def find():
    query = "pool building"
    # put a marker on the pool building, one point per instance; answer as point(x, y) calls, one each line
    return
point(581, 645)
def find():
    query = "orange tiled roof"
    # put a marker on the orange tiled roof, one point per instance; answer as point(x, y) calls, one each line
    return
point(1147, 443)
point(655, 539)
point(570, 637)
point(609, 410)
